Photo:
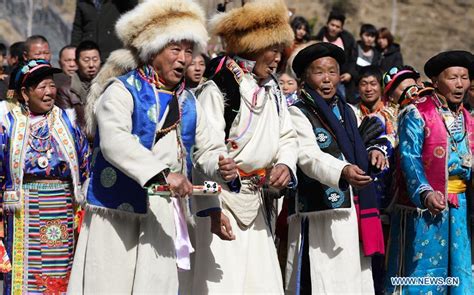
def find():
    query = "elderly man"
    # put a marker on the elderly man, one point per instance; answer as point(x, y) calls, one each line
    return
point(133, 241)
point(248, 111)
point(334, 227)
point(430, 232)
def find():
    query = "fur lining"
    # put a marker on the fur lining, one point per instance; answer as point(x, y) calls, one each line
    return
point(253, 27)
point(119, 63)
point(104, 212)
point(154, 23)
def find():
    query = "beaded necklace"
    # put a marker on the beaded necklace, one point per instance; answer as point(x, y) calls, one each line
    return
point(148, 74)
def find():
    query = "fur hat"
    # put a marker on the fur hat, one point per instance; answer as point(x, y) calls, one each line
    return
point(154, 23)
point(253, 27)
point(144, 31)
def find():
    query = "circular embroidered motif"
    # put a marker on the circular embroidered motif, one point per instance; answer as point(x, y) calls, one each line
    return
point(334, 198)
point(322, 137)
point(53, 233)
point(152, 115)
point(439, 152)
point(108, 177)
point(126, 207)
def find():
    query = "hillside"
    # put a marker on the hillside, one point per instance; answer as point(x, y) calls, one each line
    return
point(423, 27)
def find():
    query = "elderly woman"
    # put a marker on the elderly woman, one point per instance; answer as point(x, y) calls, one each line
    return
point(45, 159)
point(133, 241)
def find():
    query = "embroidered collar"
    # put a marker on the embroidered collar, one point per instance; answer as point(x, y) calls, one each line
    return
point(246, 65)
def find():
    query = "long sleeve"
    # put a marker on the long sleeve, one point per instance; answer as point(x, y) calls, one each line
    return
point(288, 140)
point(119, 147)
point(311, 159)
point(411, 134)
point(208, 147)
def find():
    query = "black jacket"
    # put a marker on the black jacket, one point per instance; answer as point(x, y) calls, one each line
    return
point(391, 58)
point(355, 52)
point(98, 25)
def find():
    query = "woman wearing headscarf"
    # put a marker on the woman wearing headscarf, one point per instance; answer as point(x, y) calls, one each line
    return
point(45, 159)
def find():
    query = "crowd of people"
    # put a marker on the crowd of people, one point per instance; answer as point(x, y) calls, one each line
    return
point(291, 162)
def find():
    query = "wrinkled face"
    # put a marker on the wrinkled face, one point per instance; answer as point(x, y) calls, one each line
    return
point(288, 84)
point(370, 90)
point(397, 92)
point(334, 28)
point(196, 69)
point(40, 98)
point(323, 76)
point(368, 40)
point(382, 42)
point(300, 32)
point(267, 61)
point(38, 50)
point(453, 83)
point(89, 64)
point(67, 61)
point(171, 62)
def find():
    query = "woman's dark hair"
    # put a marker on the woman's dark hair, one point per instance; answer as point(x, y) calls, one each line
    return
point(370, 71)
point(299, 21)
point(385, 33)
point(368, 29)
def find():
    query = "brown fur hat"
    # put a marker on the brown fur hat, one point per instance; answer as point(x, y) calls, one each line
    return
point(253, 27)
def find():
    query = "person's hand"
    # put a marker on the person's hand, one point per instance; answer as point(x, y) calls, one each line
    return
point(355, 176)
point(377, 159)
point(435, 202)
point(220, 226)
point(179, 185)
point(227, 168)
point(346, 77)
point(280, 176)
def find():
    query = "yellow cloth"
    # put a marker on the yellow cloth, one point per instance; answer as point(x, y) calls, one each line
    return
point(456, 185)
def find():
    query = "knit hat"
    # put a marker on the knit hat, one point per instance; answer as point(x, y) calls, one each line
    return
point(255, 26)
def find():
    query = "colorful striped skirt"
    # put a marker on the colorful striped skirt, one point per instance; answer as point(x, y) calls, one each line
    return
point(40, 240)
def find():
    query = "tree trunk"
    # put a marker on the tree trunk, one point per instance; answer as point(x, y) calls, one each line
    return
point(393, 28)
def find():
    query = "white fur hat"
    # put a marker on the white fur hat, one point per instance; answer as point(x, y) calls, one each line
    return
point(154, 23)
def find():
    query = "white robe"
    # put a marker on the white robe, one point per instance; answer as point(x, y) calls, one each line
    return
point(249, 264)
point(335, 254)
point(123, 254)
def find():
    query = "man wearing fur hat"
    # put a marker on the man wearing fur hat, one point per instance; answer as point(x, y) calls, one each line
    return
point(334, 224)
point(248, 111)
point(430, 225)
point(133, 241)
